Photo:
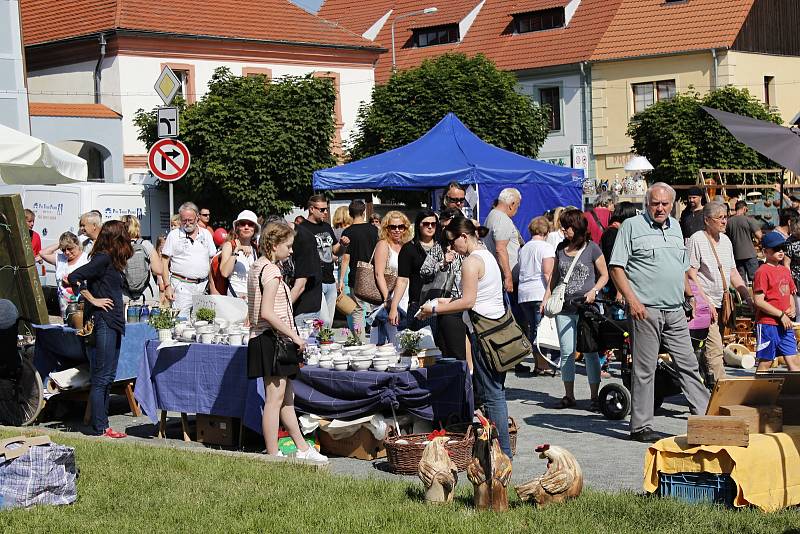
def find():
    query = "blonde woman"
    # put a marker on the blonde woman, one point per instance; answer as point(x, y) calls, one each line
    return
point(395, 232)
point(556, 236)
point(238, 253)
point(270, 314)
point(131, 222)
point(67, 255)
point(341, 220)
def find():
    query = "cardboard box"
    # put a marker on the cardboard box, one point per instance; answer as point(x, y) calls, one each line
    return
point(717, 430)
point(361, 445)
point(762, 419)
point(217, 430)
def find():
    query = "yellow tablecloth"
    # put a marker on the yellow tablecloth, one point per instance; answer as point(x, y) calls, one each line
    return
point(767, 472)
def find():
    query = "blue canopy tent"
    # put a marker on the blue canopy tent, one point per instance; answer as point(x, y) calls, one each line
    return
point(451, 152)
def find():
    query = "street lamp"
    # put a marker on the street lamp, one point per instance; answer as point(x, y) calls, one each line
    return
point(426, 11)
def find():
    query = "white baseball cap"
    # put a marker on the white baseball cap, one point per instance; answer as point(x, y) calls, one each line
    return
point(248, 215)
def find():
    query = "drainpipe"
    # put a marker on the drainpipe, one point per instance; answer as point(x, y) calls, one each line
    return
point(715, 70)
point(586, 113)
point(99, 68)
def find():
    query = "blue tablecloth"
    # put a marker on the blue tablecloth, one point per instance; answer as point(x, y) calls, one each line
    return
point(212, 379)
point(58, 348)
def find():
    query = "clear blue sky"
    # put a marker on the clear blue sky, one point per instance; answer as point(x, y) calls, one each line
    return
point(309, 5)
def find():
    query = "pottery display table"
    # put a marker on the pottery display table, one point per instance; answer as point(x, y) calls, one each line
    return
point(212, 379)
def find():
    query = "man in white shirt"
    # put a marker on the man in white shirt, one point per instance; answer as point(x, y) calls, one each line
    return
point(187, 257)
point(89, 226)
point(504, 240)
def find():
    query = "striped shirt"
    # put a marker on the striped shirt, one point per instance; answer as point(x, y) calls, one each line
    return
point(267, 271)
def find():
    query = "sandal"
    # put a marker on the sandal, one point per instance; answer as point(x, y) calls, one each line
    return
point(566, 402)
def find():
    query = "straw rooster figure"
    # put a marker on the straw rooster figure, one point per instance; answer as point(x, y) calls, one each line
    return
point(563, 479)
point(437, 470)
point(489, 470)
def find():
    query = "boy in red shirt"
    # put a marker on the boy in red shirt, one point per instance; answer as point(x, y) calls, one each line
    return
point(773, 288)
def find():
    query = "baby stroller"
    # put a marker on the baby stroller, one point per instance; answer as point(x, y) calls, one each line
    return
point(615, 333)
point(20, 384)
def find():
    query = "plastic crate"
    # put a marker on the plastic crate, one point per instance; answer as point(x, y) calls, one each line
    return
point(698, 487)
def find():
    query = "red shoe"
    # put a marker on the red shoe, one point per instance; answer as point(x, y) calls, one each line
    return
point(111, 433)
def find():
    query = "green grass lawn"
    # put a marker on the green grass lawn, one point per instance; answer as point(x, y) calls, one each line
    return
point(135, 488)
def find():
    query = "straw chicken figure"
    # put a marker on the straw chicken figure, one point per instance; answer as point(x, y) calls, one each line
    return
point(563, 479)
point(438, 471)
point(489, 470)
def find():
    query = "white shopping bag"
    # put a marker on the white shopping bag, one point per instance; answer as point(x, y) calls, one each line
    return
point(547, 335)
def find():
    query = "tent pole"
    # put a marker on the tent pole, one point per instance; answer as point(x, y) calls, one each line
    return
point(783, 171)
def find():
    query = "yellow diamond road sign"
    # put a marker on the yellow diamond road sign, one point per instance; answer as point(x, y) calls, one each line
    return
point(167, 85)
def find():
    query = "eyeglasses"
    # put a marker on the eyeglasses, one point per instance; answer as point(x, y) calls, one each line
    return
point(396, 227)
point(428, 224)
point(323, 210)
point(456, 200)
point(246, 223)
point(452, 241)
point(205, 215)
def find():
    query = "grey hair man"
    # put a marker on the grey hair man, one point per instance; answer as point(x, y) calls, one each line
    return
point(741, 230)
point(89, 226)
point(503, 239)
point(648, 266)
point(187, 255)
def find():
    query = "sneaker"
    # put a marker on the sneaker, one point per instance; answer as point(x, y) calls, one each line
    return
point(312, 455)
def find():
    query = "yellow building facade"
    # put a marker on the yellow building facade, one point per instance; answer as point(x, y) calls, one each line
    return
point(616, 85)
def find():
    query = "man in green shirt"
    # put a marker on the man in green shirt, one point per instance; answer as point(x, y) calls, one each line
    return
point(648, 266)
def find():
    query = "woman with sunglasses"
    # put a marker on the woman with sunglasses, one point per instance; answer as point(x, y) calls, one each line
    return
point(450, 332)
point(100, 283)
point(482, 292)
point(67, 255)
point(394, 233)
point(410, 260)
point(239, 253)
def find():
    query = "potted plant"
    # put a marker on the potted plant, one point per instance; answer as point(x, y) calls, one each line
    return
point(324, 333)
point(164, 322)
point(353, 338)
point(205, 314)
point(409, 342)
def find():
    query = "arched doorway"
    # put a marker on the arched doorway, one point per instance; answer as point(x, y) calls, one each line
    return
point(97, 157)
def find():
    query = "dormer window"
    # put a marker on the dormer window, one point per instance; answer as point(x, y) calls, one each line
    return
point(436, 35)
point(536, 21)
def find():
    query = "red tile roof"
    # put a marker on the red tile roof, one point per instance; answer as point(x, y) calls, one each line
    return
point(266, 20)
point(94, 111)
point(448, 13)
point(650, 27)
point(599, 30)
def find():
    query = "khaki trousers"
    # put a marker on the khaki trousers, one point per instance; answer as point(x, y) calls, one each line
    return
point(714, 347)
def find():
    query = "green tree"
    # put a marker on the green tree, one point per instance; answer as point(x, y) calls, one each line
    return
point(484, 99)
point(679, 138)
point(254, 144)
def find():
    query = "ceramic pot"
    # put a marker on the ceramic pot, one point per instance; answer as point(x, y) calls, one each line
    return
point(165, 334)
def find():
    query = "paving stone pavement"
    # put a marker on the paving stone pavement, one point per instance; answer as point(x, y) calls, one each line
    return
point(610, 461)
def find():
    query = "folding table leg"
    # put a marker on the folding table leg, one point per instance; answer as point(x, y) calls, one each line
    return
point(134, 406)
point(162, 425)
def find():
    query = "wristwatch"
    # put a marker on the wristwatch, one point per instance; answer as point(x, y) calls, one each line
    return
point(433, 308)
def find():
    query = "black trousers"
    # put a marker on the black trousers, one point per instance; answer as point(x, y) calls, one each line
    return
point(451, 335)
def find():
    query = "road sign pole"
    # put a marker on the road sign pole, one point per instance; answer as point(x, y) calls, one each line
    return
point(171, 201)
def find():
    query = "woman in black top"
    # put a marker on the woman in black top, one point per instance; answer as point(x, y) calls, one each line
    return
point(99, 282)
point(622, 211)
point(409, 266)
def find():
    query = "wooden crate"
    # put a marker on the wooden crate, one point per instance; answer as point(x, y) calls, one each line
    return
point(762, 419)
point(361, 445)
point(718, 430)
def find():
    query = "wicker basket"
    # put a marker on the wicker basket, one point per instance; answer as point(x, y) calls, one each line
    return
point(404, 457)
point(512, 431)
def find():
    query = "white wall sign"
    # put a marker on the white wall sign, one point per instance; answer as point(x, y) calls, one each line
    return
point(580, 158)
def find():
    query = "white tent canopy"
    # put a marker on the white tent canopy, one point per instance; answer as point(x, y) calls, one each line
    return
point(26, 160)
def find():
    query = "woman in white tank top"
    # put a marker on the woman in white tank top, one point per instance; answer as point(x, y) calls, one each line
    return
point(239, 254)
point(481, 292)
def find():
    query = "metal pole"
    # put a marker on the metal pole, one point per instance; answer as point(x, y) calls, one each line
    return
point(171, 201)
point(394, 58)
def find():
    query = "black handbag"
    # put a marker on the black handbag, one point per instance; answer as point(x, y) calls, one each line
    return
point(588, 335)
point(284, 350)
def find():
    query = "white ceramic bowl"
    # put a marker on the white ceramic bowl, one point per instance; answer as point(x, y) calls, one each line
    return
point(340, 365)
point(380, 364)
point(360, 365)
point(386, 349)
point(335, 346)
point(351, 350)
point(188, 334)
point(198, 324)
point(327, 364)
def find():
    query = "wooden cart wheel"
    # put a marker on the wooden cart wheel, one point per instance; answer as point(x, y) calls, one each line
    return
point(21, 400)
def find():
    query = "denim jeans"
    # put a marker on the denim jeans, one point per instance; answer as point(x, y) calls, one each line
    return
point(567, 337)
point(328, 304)
point(490, 394)
point(103, 359)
